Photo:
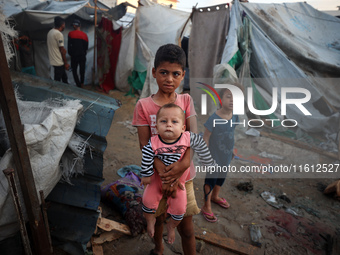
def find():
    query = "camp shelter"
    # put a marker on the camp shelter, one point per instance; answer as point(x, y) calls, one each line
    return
point(153, 26)
point(10, 7)
point(36, 20)
point(73, 207)
point(73, 210)
point(274, 46)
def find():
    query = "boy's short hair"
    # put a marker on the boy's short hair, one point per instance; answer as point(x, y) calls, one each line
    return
point(58, 21)
point(170, 53)
point(171, 105)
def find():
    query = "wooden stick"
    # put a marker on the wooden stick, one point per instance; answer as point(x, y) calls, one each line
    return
point(106, 237)
point(225, 243)
point(95, 45)
point(109, 225)
point(93, 7)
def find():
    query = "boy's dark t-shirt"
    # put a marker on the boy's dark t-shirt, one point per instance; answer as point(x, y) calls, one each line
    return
point(221, 141)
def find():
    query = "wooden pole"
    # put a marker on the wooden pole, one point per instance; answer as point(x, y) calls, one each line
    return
point(95, 44)
point(21, 158)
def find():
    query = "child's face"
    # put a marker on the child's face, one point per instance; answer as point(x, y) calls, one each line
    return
point(168, 76)
point(227, 100)
point(170, 124)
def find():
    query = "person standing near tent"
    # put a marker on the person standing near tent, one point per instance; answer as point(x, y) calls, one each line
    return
point(169, 72)
point(220, 139)
point(77, 46)
point(56, 50)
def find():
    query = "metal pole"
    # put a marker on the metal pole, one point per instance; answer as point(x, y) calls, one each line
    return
point(44, 210)
point(21, 158)
point(9, 173)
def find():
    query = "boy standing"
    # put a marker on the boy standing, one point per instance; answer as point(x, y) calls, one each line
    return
point(220, 139)
point(169, 72)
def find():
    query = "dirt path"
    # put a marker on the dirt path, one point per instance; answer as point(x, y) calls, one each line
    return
point(282, 232)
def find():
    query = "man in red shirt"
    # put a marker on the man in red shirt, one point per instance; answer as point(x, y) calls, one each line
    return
point(78, 44)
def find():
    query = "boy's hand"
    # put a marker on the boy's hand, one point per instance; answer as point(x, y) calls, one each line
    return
point(174, 171)
point(171, 189)
point(145, 181)
point(167, 189)
point(159, 166)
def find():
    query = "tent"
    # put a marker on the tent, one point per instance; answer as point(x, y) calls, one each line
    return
point(286, 45)
point(153, 26)
point(37, 19)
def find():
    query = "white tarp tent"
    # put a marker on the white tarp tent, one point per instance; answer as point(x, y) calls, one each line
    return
point(154, 25)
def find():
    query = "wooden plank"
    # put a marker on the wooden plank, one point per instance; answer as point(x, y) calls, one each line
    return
point(109, 225)
point(106, 237)
point(334, 187)
point(300, 144)
point(97, 250)
point(225, 243)
point(93, 7)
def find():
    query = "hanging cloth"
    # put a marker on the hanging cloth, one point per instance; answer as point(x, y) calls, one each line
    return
point(108, 45)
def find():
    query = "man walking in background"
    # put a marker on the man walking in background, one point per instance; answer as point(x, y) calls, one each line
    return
point(78, 44)
point(56, 50)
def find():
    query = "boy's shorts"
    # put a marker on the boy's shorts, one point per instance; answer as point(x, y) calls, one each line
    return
point(192, 208)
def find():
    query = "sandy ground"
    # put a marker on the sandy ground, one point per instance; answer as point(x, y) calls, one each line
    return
point(282, 233)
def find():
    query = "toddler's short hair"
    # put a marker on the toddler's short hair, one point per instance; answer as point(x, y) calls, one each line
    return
point(170, 53)
point(170, 105)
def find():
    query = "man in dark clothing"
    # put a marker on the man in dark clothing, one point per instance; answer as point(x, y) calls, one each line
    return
point(78, 44)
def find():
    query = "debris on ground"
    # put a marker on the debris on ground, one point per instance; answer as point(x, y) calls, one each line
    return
point(270, 199)
point(245, 186)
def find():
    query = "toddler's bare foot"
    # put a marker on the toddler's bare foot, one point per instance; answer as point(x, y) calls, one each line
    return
point(150, 220)
point(171, 234)
point(151, 228)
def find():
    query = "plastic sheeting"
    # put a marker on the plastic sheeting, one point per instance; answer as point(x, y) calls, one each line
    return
point(211, 23)
point(271, 67)
point(126, 58)
point(48, 128)
point(73, 213)
point(307, 36)
point(11, 7)
point(156, 25)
